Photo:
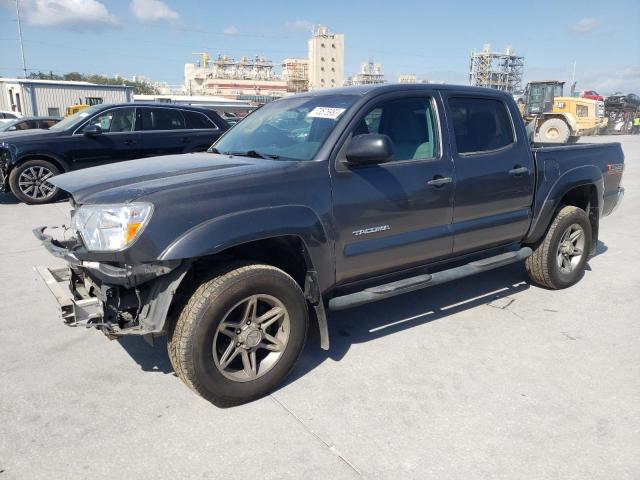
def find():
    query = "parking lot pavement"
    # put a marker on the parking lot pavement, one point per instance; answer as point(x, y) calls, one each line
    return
point(488, 377)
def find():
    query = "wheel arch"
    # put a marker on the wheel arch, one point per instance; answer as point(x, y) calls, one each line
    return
point(61, 164)
point(290, 238)
point(221, 234)
point(582, 187)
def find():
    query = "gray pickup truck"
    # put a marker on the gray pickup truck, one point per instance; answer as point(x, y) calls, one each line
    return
point(316, 202)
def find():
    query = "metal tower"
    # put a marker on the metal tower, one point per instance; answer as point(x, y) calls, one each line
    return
point(502, 71)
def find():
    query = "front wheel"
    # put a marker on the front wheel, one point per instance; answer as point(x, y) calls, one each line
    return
point(559, 260)
point(29, 182)
point(239, 334)
point(553, 130)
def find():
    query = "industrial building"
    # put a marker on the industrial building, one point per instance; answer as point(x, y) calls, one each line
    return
point(52, 97)
point(407, 78)
point(326, 59)
point(295, 71)
point(252, 79)
point(502, 71)
point(255, 79)
point(370, 74)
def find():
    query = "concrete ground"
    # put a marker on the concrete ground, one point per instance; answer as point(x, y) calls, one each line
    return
point(485, 378)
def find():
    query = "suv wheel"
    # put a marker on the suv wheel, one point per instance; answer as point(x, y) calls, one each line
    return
point(559, 260)
point(29, 182)
point(239, 334)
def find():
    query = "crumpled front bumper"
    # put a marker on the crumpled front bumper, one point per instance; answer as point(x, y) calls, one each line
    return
point(6, 158)
point(117, 299)
point(76, 310)
point(4, 177)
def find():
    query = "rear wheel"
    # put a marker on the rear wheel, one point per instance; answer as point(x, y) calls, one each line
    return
point(559, 260)
point(239, 334)
point(29, 182)
point(553, 130)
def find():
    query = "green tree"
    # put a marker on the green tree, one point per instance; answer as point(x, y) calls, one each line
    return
point(142, 88)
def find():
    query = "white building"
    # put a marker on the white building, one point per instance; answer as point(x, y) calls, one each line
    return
point(326, 59)
point(407, 78)
point(52, 97)
point(370, 74)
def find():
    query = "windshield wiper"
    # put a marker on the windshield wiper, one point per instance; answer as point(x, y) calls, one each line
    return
point(254, 154)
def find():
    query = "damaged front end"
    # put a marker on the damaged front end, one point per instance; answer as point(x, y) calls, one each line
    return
point(118, 299)
point(5, 163)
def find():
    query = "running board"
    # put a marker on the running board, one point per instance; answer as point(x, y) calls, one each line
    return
point(427, 280)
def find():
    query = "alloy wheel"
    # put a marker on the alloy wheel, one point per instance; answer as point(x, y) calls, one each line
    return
point(571, 248)
point(251, 338)
point(34, 183)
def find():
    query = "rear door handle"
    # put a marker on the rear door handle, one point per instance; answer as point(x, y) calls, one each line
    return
point(130, 142)
point(439, 181)
point(186, 139)
point(518, 170)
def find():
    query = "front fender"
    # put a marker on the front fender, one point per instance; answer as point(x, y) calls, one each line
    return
point(547, 202)
point(218, 234)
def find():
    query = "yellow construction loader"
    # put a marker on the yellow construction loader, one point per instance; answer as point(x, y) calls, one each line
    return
point(76, 108)
point(553, 118)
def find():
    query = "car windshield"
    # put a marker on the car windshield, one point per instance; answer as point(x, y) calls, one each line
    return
point(75, 119)
point(5, 127)
point(291, 129)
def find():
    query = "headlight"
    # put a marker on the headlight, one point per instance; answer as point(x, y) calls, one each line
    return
point(108, 228)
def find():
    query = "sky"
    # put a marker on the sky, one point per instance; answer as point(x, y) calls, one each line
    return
point(431, 39)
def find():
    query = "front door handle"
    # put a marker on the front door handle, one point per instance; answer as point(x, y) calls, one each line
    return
point(439, 181)
point(518, 170)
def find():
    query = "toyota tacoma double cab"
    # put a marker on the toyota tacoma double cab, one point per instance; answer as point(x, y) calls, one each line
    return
point(317, 202)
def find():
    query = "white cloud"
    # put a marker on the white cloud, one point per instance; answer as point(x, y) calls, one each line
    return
point(585, 25)
point(611, 80)
point(230, 30)
point(606, 80)
point(74, 15)
point(305, 25)
point(153, 10)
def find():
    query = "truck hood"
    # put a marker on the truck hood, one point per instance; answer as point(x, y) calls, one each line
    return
point(125, 181)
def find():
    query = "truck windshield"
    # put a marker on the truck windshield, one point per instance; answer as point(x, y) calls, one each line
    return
point(291, 129)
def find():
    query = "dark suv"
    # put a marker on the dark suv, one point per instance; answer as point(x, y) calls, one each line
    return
point(99, 135)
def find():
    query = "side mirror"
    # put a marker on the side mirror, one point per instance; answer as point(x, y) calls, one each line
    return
point(92, 130)
point(369, 149)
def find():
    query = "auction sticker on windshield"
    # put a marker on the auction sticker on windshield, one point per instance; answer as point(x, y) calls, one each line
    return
point(326, 112)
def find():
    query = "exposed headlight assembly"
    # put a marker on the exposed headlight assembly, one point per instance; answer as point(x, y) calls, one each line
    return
point(109, 228)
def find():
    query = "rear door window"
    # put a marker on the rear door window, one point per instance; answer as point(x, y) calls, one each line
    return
point(480, 124)
point(166, 119)
point(197, 120)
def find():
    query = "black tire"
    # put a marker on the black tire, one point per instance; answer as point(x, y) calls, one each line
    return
point(553, 130)
point(542, 266)
point(36, 192)
point(191, 340)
